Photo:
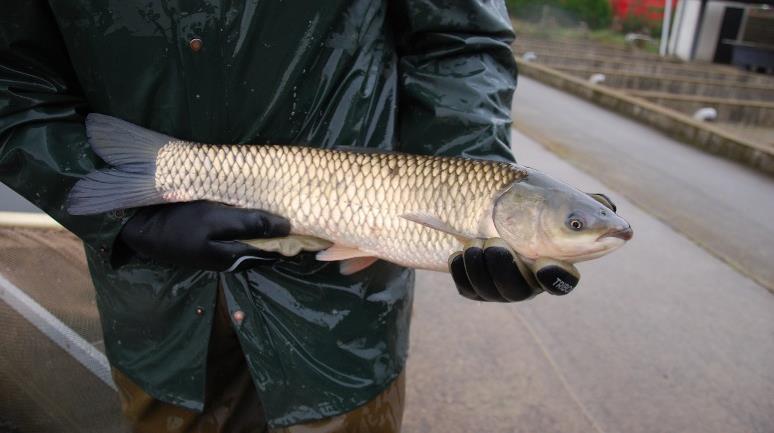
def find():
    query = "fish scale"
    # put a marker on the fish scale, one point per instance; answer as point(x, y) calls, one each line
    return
point(352, 199)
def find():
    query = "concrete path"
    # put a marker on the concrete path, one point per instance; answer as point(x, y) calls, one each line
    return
point(10, 201)
point(660, 336)
point(724, 206)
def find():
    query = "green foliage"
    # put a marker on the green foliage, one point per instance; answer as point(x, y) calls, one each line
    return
point(638, 24)
point(595, 13)
point(528, 9)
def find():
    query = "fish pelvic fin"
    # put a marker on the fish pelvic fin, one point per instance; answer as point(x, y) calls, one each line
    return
point(341, 252)
point(352, 259)
point(132, 151)
point(435, 223)
point(350, 266)
point(290, 245)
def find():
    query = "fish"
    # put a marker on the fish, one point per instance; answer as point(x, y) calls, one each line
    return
point(411, 210)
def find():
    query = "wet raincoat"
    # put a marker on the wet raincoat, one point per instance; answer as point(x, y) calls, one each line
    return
point(428, 77)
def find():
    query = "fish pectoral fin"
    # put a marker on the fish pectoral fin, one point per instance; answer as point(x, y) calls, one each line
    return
point(341, 252)
point(350, 266)
point(435, 223)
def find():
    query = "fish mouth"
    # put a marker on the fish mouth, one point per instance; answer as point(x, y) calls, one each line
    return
point(624, 233)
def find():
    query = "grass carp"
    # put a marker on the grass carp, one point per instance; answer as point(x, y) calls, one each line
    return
point(411, 210)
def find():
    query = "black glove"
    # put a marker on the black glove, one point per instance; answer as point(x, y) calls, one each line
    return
point(489, 271)
point(202, 235)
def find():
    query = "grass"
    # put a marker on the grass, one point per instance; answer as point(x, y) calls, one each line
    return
point(602, 36)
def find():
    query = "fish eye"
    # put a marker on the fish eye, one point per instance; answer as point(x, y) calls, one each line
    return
point(575, 224)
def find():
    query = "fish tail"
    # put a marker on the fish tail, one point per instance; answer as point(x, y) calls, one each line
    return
point(131, 181)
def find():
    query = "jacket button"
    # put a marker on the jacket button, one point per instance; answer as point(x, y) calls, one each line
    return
point(239, 316)
point(199, 311)
point(195, 44)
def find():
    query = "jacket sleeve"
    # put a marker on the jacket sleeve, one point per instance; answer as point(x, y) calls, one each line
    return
point(457, 76)
point(43, 149)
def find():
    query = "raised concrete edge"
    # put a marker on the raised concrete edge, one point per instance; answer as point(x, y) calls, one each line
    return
point(706, 137)
point(700, 99)
point(666, 77)
point(62, 335)
point(28, 220)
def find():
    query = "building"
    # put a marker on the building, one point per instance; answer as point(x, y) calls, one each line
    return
point(733, 32)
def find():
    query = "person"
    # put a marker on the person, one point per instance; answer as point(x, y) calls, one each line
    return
point(285, 344)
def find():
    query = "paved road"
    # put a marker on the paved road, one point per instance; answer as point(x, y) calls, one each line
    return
point(660, 336)
point(722, 205)
point(10, 201)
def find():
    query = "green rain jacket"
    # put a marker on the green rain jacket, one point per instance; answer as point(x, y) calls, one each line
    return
point(427, 77)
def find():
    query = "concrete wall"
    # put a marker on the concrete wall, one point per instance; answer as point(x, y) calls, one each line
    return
point(578, 47)
point(740, 112)
point(676, 84)
point(685, 70)
point(710, 31)
point(707, 137)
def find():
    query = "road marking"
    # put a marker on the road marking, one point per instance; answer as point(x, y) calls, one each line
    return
point(64, 337)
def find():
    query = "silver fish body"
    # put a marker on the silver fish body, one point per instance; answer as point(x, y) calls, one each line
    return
point(351, 199)
point(411, 210)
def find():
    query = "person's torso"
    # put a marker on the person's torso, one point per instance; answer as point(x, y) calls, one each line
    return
point(288, 72)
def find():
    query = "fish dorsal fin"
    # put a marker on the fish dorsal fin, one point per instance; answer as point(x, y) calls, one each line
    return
point(341, 252)
point(350, 266)
point(435, 223)
point(360, 149)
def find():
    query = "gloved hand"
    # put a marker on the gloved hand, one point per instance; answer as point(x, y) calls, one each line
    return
point(487, 270)
point(202, 235)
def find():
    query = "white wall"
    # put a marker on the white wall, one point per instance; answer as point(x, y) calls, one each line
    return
point(681, 41)
point(713, 17)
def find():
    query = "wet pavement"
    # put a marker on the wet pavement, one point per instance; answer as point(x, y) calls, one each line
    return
point(44, 387)
point(660, 336)
point(10, 201)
